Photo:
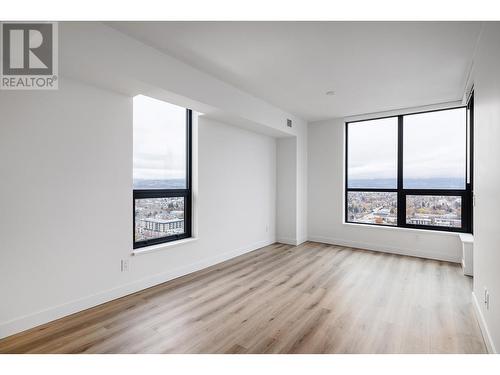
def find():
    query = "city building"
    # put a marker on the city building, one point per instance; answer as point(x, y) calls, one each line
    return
point(159, 225)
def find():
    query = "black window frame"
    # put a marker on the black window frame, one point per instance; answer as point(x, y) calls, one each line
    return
point(171, 193)
point(465, 194)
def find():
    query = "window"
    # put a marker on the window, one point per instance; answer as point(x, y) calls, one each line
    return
point(162, 172)
point(411, 170)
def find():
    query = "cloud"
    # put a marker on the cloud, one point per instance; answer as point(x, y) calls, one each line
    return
point(434, 146)
point(159, 139)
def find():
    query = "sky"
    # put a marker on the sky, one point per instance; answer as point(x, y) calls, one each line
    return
point(372, 149)
point(159, 139)
point(434, 146)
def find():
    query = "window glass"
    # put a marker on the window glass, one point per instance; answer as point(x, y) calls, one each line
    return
point(434, 150)
point(372, 153)
point(159, 144)
point(434, 210)
point(158, 217)
point(372, 207)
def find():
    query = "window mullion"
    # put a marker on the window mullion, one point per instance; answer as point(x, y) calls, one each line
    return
point(401, 197)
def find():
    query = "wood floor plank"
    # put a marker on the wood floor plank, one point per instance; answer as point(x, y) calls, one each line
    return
point(312, 298)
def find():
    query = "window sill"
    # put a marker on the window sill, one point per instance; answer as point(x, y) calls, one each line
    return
point(466, 238)
point(163, 246)
point(409, 230)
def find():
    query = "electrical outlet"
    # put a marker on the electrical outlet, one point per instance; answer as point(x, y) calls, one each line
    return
point(267, 228)
point(125, 265)
point(487, 299)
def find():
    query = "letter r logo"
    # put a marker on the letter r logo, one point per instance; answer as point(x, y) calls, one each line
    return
point(27, 49)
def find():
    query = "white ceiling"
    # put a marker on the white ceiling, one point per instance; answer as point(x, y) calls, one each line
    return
point(371, 66)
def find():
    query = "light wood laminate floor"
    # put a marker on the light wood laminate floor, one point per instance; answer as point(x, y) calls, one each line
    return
point(313, 298)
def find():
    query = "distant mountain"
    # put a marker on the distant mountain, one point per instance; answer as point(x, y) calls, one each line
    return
point(179, 183)
point(378, 183)
point(409, 183)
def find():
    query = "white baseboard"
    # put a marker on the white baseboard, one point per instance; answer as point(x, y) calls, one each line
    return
point(300, 241)
point(386, 249)
point(41, 317)
point(287, 241)
point(482, 324)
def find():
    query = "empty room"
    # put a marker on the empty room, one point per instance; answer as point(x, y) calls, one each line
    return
point(250, 187)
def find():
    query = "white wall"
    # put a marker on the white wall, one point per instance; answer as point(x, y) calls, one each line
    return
point(286, 203)
point(66, 195)
point(66, 198)
point(291, 208)
point(302, 184)
point(326, 205)
point(237, 187)
point(486, 78)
